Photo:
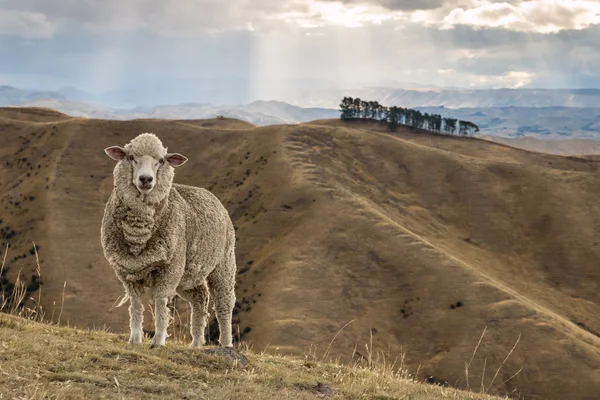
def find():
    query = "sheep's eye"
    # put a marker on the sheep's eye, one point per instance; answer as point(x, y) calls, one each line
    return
point(130, 158)
point(161, 161)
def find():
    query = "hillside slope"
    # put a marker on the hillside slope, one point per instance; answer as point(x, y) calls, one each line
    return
point(421, 240)
point(42, 361)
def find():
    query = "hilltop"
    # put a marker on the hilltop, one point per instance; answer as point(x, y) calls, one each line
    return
point(422, 240)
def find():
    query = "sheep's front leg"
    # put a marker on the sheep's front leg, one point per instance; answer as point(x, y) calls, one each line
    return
point(165, 288)
point(161, 314)
point(136, 318)
point(134, 291)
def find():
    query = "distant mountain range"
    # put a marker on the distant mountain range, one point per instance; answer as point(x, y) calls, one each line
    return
point(258, 112)
point(502, 112)
point(529, 121)
point(456, 98)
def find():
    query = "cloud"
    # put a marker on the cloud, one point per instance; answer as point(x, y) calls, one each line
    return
point(189, 18)
point(29, 25)
point(403, 5)
point(540, 16)
point(324, 14)
point(250, 49)
point(175, 18)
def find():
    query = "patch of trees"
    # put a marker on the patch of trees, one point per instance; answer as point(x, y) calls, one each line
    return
point(353, 109)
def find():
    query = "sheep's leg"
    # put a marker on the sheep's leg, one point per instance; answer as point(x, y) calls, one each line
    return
point(136, 318)
point(222, 286)
point(198, 299)
point(161, 313)
point(136, 310)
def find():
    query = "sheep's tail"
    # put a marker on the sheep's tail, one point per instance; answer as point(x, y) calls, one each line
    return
point(124, 300)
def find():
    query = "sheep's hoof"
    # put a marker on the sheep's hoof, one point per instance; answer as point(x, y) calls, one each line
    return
point(135, 340)
point(196, 344)
point(154, 344)
point(158, 340)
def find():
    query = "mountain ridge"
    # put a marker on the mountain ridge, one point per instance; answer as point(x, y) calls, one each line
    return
point(502, 121)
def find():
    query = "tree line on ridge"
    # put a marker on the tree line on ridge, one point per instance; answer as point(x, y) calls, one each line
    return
point(355, 108)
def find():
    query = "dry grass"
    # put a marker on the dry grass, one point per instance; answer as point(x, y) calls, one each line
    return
point(47, 361)
point(15, 303)
point(43, 360)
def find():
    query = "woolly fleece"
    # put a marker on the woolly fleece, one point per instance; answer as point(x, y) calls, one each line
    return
point(175, 240)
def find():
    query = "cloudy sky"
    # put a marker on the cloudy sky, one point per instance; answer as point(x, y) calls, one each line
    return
point(271, 49)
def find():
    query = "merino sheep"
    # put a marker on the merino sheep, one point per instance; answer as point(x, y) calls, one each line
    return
point(172, 238)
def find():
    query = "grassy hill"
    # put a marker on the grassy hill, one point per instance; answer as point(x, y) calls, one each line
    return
point(420, 241)
point(42, 361)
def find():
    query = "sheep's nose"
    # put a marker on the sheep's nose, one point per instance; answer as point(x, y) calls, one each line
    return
point(145, 179)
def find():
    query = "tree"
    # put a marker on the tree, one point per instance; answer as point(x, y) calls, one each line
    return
point(366, 109)
point(465, 127)
point(380, 111)
point(352, 108)
point(402, 116)
point(462, 128)
point(453, 122)
point(357, 107)
point(393, 118)
point(438, 123)
point(372, 110)
point(408, 116)
point(450, 125)
point(346, 107)
point(418, 118)
point(385, 113)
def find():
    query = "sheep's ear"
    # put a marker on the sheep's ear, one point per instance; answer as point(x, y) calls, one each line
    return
point(115, 152)
point(175, 159)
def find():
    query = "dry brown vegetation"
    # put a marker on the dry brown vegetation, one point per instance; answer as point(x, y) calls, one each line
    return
point(41, 361)
point(422, 240)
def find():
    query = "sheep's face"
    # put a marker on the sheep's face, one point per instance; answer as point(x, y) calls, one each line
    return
point(145, 169)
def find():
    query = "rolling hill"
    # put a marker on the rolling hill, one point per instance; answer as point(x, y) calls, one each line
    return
point(418, 241)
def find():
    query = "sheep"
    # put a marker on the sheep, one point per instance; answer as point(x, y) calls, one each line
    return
point(172, 238)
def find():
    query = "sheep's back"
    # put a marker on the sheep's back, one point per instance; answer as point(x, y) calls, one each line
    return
point(209, 229)
point(203, 202)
